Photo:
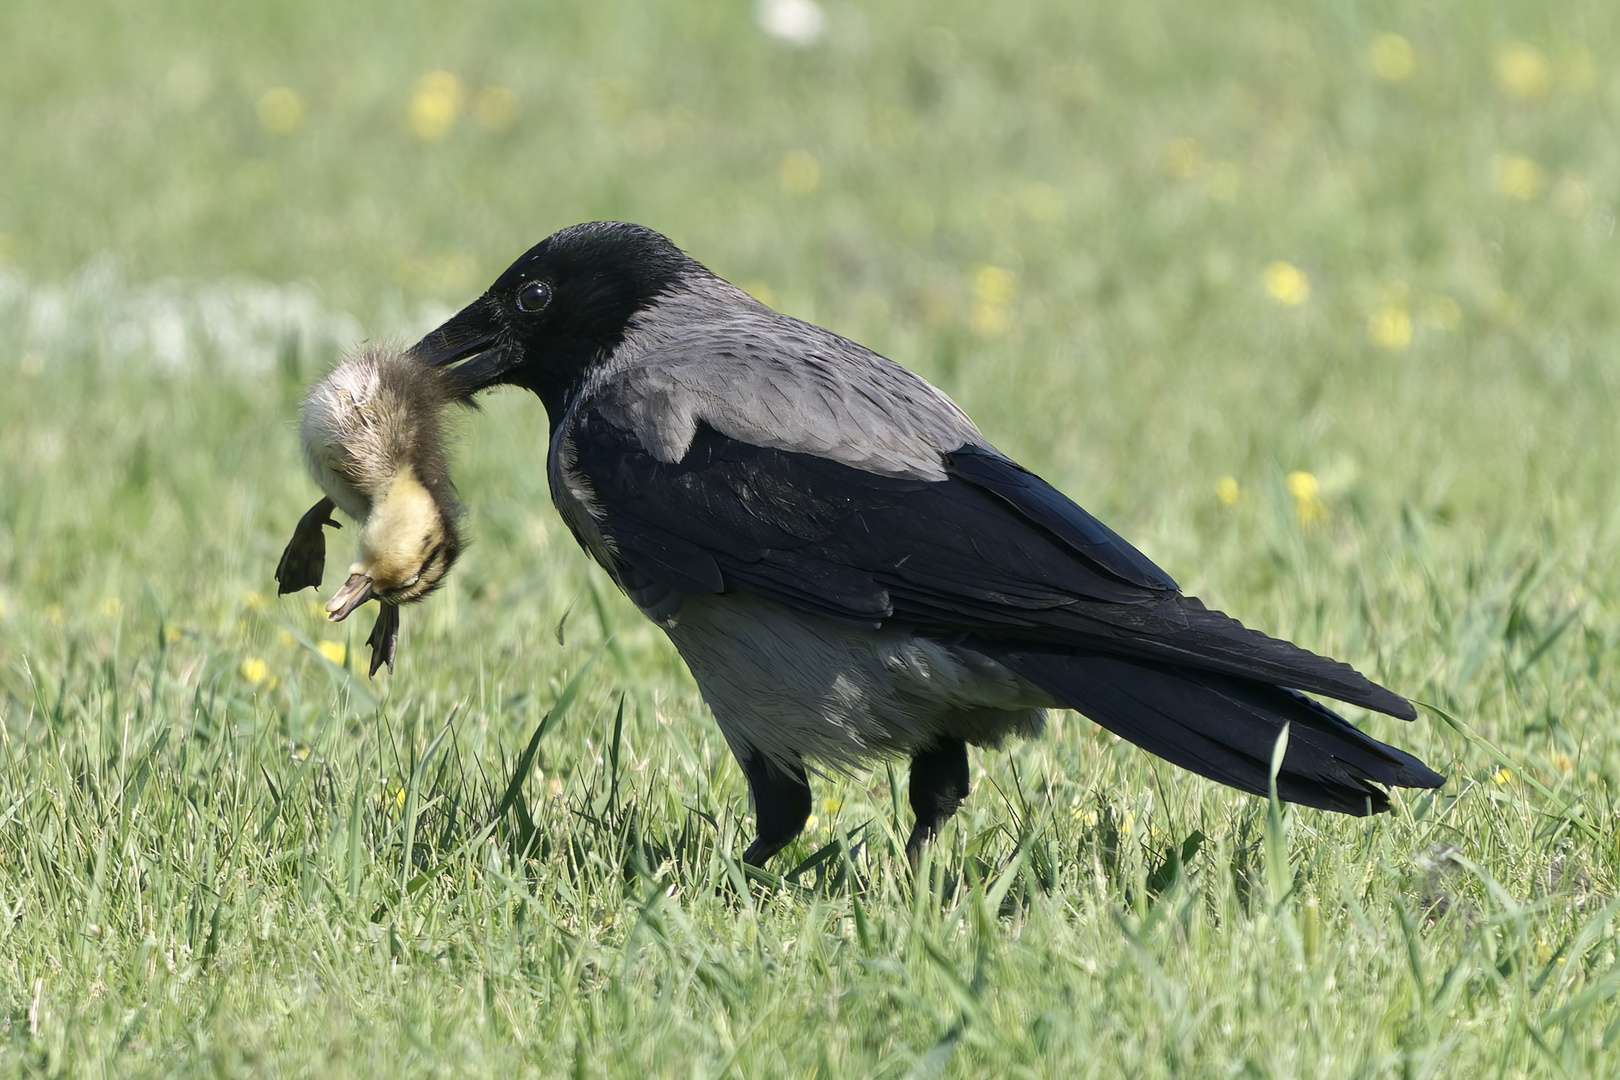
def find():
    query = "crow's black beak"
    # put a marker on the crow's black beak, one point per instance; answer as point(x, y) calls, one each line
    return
point(473, 335)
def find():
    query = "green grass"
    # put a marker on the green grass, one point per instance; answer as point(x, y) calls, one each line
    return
point(223, 854)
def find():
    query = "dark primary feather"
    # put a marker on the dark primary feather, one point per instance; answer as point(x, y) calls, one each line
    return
point(1226, 728)
point(991, 551)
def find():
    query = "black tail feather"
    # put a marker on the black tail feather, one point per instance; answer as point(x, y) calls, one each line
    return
point(1225, 728)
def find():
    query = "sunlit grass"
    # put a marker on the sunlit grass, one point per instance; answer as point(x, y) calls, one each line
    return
point(1315, 309)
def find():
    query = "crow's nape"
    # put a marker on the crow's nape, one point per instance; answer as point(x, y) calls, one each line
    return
point(1226, 728)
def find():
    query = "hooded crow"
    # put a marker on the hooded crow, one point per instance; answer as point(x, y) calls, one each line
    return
point(851, 570)
point(373, 442)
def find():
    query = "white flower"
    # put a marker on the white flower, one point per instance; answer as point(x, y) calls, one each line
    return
point(797, 22)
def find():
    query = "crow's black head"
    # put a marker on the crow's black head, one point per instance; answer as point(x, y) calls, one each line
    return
point(558, 310)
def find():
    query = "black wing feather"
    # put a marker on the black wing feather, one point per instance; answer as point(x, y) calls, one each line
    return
point(1046, 506)
point(990, 551)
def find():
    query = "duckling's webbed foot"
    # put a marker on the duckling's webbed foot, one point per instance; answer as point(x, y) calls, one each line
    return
point(304, 560)
point(384, 639)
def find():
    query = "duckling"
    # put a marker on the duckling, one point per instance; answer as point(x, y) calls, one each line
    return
point(373, 441)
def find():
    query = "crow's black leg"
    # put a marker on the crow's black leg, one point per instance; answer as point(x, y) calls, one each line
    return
point(781, 805)
point(939, 783)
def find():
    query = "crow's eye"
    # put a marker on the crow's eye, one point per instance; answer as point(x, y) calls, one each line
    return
point(532, 296)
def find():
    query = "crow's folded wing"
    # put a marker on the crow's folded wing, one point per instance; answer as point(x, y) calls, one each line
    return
point(991, 552)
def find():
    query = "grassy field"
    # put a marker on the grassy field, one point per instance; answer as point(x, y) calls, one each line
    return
point(1315, 303)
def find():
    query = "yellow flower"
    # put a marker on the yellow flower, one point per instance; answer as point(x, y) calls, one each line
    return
point(992, 285)
point(1287, 283)
point(1562, 761)
point(1307, 493)
point(1519, 177)
point(1227, 490)
point(496, 108)
point(254, 670)
point(992, 291)
point(799, 173)
point(1184, 159)
point(434, 105)
point(1503, 775)
point(1390, 57)
point(1522, 70)
point(334, 651)
point(281, 110)
point(1390, 327)
point(112, 607)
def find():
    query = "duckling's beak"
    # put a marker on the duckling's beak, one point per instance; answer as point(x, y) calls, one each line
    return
point(356, 591)
point(473, 335)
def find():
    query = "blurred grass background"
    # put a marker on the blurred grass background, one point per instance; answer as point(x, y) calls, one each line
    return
point(1313, 303)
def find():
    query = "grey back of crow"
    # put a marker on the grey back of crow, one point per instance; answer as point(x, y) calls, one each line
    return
point(851, 570)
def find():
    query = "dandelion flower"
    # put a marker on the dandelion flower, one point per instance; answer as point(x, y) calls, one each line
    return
point(1227, 490)
point(1307, 494)
point(1562, 761)
point(1522, 70)
point(992, 285)
point(799, 173)
point(992, 291)
point(435, 103)
point(254, 670)
point(1519, 177)
point(281, 110)
point(1287, 284)
point(334, 651)
point(112, 607)
point(1390, 57)
point(1503, 775)
point(1390, 327)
